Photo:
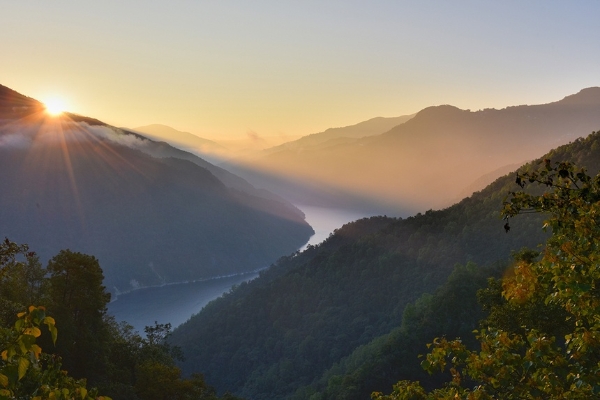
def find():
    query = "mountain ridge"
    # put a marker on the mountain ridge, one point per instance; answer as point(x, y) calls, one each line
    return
point(443, 146)
point(75, 182)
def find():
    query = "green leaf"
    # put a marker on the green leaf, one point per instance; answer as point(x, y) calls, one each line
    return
point(23, 366)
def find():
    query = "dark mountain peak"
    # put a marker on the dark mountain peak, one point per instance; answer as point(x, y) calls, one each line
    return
point(82, 118)
point(9, 95)
point(15, 105)
point(152, 213)
point(589, 96)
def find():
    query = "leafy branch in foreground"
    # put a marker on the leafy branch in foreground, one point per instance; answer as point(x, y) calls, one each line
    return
point(533, 364)
point(26, 372)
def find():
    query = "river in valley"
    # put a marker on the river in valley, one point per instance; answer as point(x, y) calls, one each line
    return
point(176, 303)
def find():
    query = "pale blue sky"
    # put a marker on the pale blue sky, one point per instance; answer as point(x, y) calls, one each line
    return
point(223, 68)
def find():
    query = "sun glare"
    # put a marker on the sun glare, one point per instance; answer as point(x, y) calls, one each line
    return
point(54, 106)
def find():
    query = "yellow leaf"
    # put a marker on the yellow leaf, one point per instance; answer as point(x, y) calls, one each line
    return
point(37, 350)
point(3, 380)
point(23, 366)
point(4, 355)
point(34, 331)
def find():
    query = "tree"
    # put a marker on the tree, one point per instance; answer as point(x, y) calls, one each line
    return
point(22, 280)
point(108, 354)
point(78, 300)
point(516, 316)
point(533, 363)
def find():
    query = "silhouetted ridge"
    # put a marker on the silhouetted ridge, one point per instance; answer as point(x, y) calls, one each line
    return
point(15, 105)
point(588, 96)
point(151, 214)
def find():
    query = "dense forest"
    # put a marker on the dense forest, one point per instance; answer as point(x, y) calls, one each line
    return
point(316, 323)
point(81, 339)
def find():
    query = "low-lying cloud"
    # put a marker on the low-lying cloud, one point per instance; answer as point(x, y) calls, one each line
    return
point(23, 136)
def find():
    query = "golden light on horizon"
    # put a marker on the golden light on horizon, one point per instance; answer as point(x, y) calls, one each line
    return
point(54, 106)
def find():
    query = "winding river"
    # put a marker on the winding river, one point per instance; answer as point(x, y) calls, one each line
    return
point(176, 303)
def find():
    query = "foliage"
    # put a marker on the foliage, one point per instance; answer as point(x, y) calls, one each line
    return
point(22, 280)
point(110, 356)
point(532, 363)
point(26, 372)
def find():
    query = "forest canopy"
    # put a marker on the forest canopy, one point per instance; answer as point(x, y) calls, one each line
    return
point(556, 360)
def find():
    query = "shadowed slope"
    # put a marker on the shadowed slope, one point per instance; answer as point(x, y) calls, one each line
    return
point(74, 182)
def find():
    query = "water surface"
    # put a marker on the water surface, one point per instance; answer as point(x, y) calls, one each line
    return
point(176, 303)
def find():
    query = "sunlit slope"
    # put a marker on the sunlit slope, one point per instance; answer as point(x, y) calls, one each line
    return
point(298, 321)
point(425, 162)
point(74, 182)
point(374, 126)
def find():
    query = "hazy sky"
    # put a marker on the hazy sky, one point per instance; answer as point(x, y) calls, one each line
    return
point(226, 68)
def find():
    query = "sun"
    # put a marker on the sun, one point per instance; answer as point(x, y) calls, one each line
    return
point(54, 106)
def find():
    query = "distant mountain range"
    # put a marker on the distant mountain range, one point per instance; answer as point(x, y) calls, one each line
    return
point(150, 213)
point(423, 163)
point(335, 136)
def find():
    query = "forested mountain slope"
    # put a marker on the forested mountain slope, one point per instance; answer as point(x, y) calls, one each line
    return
point(75, 182)
point(283, 331)
point(451, 311)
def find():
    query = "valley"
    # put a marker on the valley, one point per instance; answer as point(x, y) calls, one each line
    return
point(278, 200)
point(268, 299)
point(175, 303)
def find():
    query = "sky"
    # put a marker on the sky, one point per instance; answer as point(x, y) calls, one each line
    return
point(227, 69)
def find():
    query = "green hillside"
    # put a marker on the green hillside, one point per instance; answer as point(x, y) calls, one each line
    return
point(291, 330)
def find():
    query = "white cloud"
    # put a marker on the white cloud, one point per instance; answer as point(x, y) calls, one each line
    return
point(20, 135)
point(14, 141)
